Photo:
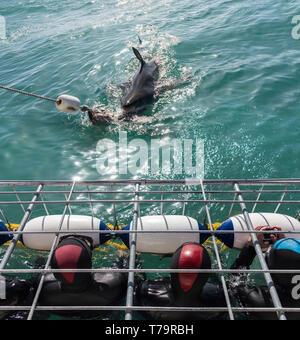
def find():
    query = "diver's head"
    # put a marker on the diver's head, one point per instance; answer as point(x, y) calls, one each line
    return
point(73, 252)
point(284, 255)
point(187, 287)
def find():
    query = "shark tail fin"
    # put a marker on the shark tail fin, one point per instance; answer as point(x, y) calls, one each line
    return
point(138, 55)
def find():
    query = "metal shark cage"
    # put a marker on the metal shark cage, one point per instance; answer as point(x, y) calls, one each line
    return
point(21, 201)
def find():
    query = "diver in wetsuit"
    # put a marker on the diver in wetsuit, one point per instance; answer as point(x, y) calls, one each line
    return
point(182, 289)
point(284, 254)
point(19, 292)
point(80, 289)
point(69, 288)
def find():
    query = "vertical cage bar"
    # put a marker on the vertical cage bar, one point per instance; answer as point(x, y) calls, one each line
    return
point(260, 255)
point(66, 197)
point(22, 225)
point(231, 207)
point(91, 206)
point(185, 199)
point(18, 198)
point(132, 256)
point(114, 208)
point(226, 294)
point(44, 205)
point(281, 200)
point(38, 291)
point(4, 216)
point(162, 198)
point(257, 198)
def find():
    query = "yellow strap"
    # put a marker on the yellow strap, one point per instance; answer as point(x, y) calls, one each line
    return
point(215, 226)
point(12, 227)
point(114, 244)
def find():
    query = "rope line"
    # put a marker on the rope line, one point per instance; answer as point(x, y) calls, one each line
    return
point(83, 108)
point(27, 93)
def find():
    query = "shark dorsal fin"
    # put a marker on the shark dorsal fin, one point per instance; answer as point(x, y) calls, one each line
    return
point(139, 57)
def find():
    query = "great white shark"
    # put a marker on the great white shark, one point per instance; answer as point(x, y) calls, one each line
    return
point(142, 91)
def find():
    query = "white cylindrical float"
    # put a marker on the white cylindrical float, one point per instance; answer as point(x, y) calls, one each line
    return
point(238, 223)
point(80, 225)
point(67, 103)
point(164, 240)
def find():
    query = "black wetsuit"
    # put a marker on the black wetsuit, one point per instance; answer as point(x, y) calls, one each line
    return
point(18, 293)
point(105, 289)
point(253, 296)
point(159, 293)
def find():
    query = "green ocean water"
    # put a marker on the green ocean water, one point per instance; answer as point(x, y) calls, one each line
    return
point(242, 100)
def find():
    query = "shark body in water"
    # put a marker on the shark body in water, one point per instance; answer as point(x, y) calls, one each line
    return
point(141, 92)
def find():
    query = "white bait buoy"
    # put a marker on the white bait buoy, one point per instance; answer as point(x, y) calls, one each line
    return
point(68, 104)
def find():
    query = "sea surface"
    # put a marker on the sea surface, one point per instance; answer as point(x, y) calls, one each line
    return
point(241, 60)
